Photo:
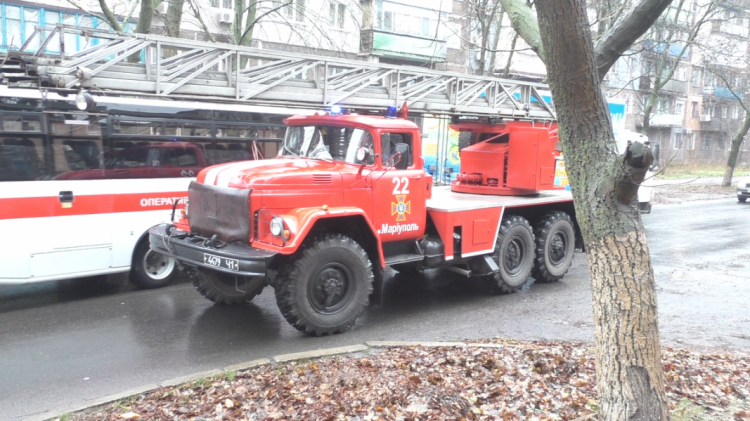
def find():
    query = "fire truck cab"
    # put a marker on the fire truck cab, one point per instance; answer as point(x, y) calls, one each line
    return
point(348, 196)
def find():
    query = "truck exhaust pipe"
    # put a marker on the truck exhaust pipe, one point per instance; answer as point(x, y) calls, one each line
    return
point(460, 271)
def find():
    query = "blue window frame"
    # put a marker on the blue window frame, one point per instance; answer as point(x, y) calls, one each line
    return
point(17, 24)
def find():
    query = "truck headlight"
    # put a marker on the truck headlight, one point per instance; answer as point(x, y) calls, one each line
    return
point(277, 226)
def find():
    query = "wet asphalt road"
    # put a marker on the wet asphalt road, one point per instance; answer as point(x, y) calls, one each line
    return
point(65, 343)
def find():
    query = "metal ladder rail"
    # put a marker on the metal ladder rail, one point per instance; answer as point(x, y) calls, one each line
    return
point(270, 77)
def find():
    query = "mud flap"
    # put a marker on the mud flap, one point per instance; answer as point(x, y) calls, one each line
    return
point(484, 265)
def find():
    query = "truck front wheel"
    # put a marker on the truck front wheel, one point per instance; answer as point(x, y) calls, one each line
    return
point(326, 286)
point(514, 254)
point(555, 245)
point(226, 289)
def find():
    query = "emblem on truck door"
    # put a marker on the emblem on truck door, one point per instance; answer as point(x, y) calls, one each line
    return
point(401, 208)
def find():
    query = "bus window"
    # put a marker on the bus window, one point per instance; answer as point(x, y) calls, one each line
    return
point(21, 159)
point(179, 158)
point(81, 154)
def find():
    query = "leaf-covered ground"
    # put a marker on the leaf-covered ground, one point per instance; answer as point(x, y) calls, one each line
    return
point(498, 380)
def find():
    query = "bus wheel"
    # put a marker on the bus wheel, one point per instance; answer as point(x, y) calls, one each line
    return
point(514, 254)
point(555, 245)
point(151, 269)
point(223, 288)
point(326, 286)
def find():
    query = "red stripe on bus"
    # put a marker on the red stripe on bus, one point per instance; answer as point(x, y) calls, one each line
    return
point(39, 207)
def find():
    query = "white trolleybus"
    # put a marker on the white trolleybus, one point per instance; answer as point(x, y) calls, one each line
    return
point(80, 189)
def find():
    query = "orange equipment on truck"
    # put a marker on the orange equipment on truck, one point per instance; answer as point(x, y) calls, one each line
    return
point(348, 196)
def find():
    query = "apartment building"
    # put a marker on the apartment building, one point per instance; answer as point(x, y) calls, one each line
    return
point(695, 113)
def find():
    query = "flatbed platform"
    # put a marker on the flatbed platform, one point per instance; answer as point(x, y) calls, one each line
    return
point(445, 200)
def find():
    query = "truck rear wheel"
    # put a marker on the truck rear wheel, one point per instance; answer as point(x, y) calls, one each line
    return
point(226, 289)
point(326, 286)
point(151, 269)
point(555, 245)
point(514, 254)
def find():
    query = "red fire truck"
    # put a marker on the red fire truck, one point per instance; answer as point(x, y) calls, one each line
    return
point(348, 196)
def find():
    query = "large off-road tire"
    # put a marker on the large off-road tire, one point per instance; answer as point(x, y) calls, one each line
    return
point(227, 289)
point(742, 199)
point(514, 255)
point(555, 244)
point(326, 286)
point(151, 269)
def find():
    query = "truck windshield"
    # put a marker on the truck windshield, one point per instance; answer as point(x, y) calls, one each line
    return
point(328, 143)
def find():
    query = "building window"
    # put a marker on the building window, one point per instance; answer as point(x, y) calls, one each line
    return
point(677, 141)
point(706, 144)
point(690, 142)
point(695, 109)
point(720, 144)
point(662, 105)
point(724, 111)
point(300, 8)
point(697, 76)
point(18, 23)
point(407, 20)
point(680, 74)
point(224, 4)
point(735, 112)
point(710, 79)
point(679, 108)
point(336, 14)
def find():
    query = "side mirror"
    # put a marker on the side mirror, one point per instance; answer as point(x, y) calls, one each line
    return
point(402, 149)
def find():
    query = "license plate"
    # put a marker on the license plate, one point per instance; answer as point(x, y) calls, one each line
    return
point(221, 262)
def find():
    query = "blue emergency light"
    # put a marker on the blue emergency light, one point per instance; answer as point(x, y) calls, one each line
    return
point(391, 112)
point(335, 109)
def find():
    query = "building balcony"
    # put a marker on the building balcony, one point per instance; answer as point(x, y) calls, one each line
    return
point(720, 92)
point(674, 49)
point(389, 44)
point(728, 28)
point(666, 120)
point(716, 124)
point(672, 86)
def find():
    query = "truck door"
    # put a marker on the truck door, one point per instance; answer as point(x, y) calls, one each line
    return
point(399, 190)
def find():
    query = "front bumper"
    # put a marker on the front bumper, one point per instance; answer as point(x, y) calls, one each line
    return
point(191, 250)
point(743, 193)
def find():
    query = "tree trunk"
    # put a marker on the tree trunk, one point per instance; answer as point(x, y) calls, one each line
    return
point(523, 21)
point(630, 377)
point(734, 151)
point(496, 39)
point(144, 24)
point(111, 18)
point(173, 20)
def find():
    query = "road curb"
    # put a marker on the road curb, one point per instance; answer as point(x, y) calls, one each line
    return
point(97, 402)
point(189, 378)
point(247, 365)
point(283, 358)
point(319, 353)
point(389, 344)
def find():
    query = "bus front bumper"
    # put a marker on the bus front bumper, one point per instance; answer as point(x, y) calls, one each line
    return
point(193, 250)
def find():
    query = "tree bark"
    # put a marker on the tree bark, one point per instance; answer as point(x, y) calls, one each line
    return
point(625, 32)
point(525, 24)
point(145, 18)
point(173, 20)
point(111, 18)
point(630, 378)
point(496, 39)
point(735, 150)
point(609, 47)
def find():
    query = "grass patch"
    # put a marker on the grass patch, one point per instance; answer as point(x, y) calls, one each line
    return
point(686, 171)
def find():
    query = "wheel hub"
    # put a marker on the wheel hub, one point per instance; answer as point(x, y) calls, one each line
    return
point(557, 249)
point(330, 287)
point(513, 257)
point(157, 265)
